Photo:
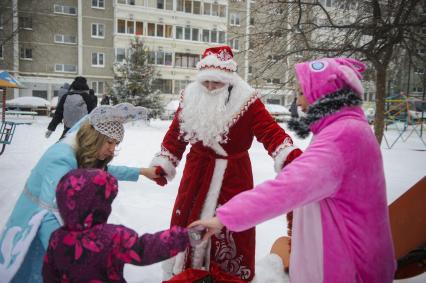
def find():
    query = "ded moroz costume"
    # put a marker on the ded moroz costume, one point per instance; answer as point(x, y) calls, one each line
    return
point(220, 125)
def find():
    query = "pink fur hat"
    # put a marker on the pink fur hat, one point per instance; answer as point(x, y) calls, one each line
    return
point(327, 75)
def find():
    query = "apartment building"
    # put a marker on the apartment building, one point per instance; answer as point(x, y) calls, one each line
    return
point(176, 33)
point(47, 43)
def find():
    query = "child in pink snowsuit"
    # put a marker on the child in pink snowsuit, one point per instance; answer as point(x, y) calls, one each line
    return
point(336, 188)
point(86, 248)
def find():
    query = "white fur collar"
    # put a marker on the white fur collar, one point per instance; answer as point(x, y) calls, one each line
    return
point(70, 139)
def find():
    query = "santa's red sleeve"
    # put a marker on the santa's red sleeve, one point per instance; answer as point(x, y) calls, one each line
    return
point(172, 149)
point(275, 140)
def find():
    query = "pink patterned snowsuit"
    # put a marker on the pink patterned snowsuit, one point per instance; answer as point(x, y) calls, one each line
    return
point(86, 248)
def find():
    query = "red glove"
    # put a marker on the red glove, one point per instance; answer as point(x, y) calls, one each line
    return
point(161, 181)
point(292, 156)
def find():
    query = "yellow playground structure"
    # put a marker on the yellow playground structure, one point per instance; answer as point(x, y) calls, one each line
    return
point(405, 115)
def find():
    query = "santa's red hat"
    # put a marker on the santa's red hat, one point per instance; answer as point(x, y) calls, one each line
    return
point(217, 64)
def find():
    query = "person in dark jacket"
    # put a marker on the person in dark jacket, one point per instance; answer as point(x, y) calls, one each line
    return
point(105, 100)
point(88, 249)
point(73, 105)
point(293, 109)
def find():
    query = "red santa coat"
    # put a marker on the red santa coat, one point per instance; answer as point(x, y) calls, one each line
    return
point(214, 174)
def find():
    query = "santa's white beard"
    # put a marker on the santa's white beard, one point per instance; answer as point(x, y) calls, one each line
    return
point(205, 116)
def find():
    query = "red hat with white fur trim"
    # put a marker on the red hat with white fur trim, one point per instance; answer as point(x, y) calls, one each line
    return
point(217, 64)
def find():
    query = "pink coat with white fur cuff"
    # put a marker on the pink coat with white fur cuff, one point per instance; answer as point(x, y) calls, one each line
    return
point(336, 189)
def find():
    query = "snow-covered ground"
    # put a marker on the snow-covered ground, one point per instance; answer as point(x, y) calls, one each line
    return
point(146, 207)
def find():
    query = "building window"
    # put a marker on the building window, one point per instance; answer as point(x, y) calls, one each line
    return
point(187, 33)
point(26, 53)
point(222, 11)
point(168, 32)
point(164, 86)
point(40, 93)
point(65, 68)
point(98, 59)
point(197, 7)
point(160, 4)
point(207, 9)
point(1, 51)
point(222, 37)
point(26, 22)
point(235, 19)
point(128, 2)
point(195, 34)
point(62, 9)
point(152, 57)
point(213, 36)
point(168, 59)
point(206, 35)
point(120, 54)
point(188, 6)
point(121, 26)
point(160, 58)
point(165, 5)
point(160, 30)
point(99, 4)
point(169, 5)
point(179, 32)
point(252, 21)
point(139, 28)
point(1, 21)
point(179, 5)
point(98, 87)
point(234, 43)
point(67, 39)
point(184, 60)
point(130, 27)
point(151, 29)
point(98, 30)
point(215, 10)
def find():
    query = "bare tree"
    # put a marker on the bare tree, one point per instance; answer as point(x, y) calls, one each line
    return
point(371, 30)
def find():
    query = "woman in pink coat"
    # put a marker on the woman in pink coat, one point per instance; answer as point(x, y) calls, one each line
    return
point(336, 188)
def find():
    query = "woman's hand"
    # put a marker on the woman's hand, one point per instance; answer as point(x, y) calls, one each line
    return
point(212, 225)
point(150, 173)
point(156, 174)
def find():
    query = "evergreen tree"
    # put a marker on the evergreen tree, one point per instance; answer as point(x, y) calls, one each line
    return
point(133, 79)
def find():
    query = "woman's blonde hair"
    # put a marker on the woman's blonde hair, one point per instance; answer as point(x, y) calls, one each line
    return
point(88, 143)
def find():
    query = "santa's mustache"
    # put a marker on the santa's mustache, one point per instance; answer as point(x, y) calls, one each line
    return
point(214, 91)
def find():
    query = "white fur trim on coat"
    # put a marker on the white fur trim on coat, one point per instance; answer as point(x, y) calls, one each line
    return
point(281, 153)
point(212, 61)
point(167, 161)
point(202, 251)
point(14, 253)
point(216, 75)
